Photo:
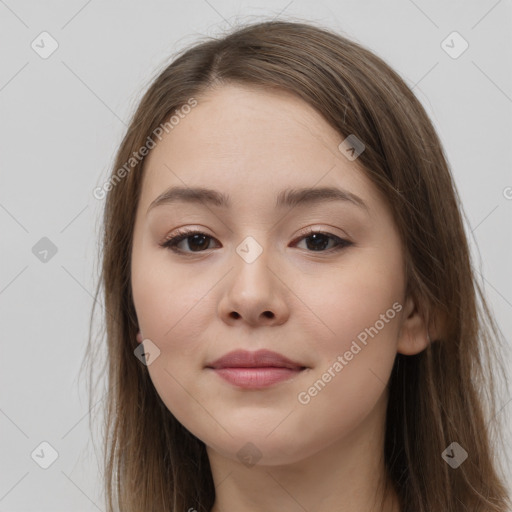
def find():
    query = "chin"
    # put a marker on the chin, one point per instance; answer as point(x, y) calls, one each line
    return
point(256, 447)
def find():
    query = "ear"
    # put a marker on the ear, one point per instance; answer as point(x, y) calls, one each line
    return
point(413, 334)
point(139, 337)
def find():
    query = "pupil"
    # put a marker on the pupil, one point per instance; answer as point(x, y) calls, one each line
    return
point(317, 242)
point(195, 238)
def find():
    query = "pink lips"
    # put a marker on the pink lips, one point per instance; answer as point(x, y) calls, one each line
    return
point(255, 369)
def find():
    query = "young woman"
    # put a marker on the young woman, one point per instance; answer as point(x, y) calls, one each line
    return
point(292, 318)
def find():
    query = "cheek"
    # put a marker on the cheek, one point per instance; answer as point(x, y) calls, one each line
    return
point(172, 310)
point(356, 354)
point(166, 297)
point(355, 303)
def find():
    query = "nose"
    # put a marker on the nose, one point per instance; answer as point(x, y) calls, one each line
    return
point(254, 295)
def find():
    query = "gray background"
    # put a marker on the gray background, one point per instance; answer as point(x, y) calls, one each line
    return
point(62, 119)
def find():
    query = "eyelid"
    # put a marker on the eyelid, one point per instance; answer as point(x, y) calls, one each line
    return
point(315, 229)
point(181, 234)
point(305, 231)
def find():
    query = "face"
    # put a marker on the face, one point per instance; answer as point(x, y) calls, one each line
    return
point(319, 280)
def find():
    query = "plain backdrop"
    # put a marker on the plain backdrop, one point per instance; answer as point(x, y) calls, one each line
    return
point(62, 118)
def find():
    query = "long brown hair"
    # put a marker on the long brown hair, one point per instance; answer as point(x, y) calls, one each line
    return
point(444, 394)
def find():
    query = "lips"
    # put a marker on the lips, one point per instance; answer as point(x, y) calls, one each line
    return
point(258, 359)
point(255, 370)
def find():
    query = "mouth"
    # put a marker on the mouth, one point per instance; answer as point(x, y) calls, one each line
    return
point(253, 370)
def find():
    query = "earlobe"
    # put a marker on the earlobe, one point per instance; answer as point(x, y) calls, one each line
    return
point(413, 336)
point(139, 337)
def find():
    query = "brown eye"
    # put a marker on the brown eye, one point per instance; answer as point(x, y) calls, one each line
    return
point(318, 241)
point(197, 241)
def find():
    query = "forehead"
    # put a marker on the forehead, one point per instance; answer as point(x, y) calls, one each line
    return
point(243, 140)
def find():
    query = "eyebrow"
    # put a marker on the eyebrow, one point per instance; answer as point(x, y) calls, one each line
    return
point(288, 197)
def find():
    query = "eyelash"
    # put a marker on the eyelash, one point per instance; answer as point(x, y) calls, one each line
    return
point(173, 241)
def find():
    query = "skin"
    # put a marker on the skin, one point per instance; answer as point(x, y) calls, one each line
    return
point(251, 144)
